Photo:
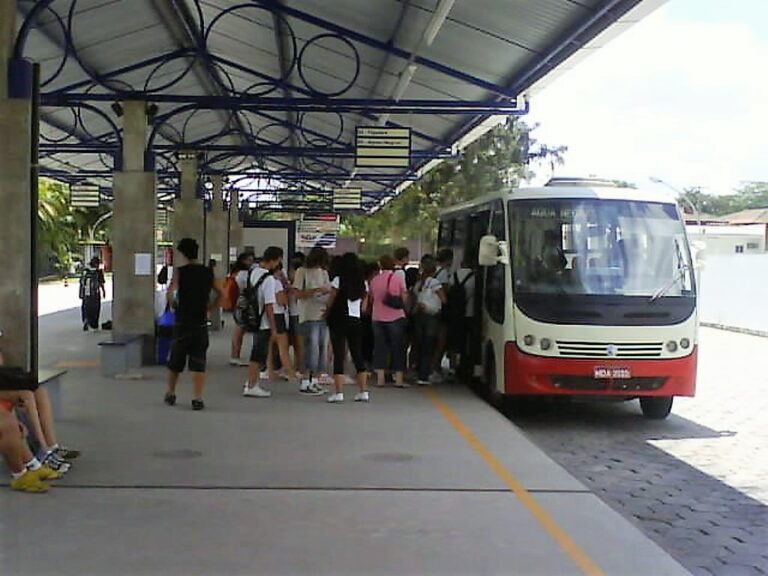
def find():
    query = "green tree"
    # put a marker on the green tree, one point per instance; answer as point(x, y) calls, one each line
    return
point(498, 159)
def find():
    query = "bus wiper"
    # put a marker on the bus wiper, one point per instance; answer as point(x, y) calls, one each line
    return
point(681, 272)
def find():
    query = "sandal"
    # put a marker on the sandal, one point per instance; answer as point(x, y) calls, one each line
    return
point(170, 399)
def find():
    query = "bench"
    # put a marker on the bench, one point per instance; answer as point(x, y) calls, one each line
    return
point(51, 379)
point(121, 355)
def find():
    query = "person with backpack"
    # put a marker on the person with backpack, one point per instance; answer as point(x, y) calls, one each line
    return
point(459, 312)
point(234, 284)
point(390, 300)
point(256, 310)
point(92, 289)
point(430, 297)
point(444, 276)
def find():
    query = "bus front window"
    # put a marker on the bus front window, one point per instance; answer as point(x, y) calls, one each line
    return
point(599, 247)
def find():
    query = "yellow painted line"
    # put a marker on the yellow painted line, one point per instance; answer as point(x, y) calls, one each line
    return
point(582, 560)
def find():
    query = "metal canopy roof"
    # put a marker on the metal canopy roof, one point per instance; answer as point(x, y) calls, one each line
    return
point(271, 91)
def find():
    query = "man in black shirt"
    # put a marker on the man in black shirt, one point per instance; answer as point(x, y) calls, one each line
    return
point(192, 293)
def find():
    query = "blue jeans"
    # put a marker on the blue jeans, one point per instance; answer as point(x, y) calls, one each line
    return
point(314, 332)
point(427, 328)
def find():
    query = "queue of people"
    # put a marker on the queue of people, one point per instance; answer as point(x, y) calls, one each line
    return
point(309, 322)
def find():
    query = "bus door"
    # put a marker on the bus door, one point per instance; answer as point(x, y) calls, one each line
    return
point(495, 304)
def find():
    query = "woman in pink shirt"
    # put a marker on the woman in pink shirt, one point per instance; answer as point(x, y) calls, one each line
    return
point(389, 296)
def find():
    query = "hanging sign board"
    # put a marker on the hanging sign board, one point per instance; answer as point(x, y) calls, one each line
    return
point(84, 196)
point(382, 147)
point(162, 217)
point(317, 230)
point(348, 199)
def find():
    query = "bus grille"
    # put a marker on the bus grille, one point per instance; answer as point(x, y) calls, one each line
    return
point(587, 383)
point(576, 349)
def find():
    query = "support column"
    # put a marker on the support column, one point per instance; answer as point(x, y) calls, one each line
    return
point(133, 233)
point(188, 208)
point(18, 198)
point(235, 226)
point(216, 239)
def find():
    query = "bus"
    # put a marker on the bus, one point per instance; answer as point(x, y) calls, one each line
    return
point(583, 288)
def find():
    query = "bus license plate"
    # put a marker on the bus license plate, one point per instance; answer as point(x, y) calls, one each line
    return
point(602, 372)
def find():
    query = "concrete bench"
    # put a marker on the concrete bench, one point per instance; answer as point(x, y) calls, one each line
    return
point(51, 379)
point(121, 354)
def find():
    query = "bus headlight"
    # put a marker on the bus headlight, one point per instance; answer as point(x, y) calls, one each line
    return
point(529, 340)
point(545, 343)
point(672, 346)
point(685, 343)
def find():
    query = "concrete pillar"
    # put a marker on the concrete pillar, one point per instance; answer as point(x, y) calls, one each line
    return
point(18, 200)
point(133, 233)
point(216, 239)
point(188, 208)
point(235, 226)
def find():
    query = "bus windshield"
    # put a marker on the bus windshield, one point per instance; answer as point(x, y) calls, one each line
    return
point(599, 247)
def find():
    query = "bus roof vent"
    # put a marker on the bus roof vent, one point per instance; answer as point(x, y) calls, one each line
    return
point(584, 182)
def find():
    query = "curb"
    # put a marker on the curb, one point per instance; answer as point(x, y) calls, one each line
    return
point(749, 331)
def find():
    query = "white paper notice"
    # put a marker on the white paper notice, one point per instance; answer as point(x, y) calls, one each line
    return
point(143, 264)
point(217, 257)
point(233, 253)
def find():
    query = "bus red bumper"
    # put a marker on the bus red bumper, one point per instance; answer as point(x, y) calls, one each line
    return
point(526, 374)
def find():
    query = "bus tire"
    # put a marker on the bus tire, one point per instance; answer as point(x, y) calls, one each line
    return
point(656, 407)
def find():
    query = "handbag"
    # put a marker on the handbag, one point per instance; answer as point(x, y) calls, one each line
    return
point(393, 300)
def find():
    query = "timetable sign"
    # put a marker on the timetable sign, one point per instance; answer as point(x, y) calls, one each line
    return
point(84, 196)
point(348, 199)
point(382, 147)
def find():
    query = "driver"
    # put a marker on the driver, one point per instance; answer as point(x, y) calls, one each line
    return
point(552, 256)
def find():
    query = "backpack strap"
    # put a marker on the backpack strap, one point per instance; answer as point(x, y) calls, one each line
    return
point(467, 277)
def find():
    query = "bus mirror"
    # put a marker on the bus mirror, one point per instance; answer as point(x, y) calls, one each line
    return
point(488, 254)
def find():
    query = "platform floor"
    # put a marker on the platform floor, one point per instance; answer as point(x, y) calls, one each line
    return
point(416, 482)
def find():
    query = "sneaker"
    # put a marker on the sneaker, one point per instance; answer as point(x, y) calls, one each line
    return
point(170, 399)
point(264, 375)
point(362, 397)
point(256, 392)
point(198, 405)
point(85, 327)
point(436, 378)
point(64, 453)
point(45, 473)
point(337, 398)
point(309, 388)
point(318, 389)
point(423, 382)
point(57, 465)
point(29, 483)
point(325, 379)
point(237, 362)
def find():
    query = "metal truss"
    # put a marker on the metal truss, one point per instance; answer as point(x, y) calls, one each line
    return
point(248, 118)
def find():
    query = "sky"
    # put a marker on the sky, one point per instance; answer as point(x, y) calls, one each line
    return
point(682, 96)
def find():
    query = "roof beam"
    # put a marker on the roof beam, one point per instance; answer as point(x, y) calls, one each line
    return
point(390, 48)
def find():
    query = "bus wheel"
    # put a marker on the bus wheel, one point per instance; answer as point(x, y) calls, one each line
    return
point(656, 407)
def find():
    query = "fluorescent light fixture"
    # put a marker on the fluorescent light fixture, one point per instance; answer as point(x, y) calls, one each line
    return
point(405, 79)
point(437, 21)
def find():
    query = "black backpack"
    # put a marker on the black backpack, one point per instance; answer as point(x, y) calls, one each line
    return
point(456, 301)
point(248, 314)
point(89, 284)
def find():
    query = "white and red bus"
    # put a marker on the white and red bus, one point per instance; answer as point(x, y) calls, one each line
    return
point(583, 288)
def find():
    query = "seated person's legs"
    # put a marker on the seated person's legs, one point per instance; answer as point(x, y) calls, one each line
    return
point(14, 449)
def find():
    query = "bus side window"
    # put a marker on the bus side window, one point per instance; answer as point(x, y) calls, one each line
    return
point(495, 280)
point(445, 235)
